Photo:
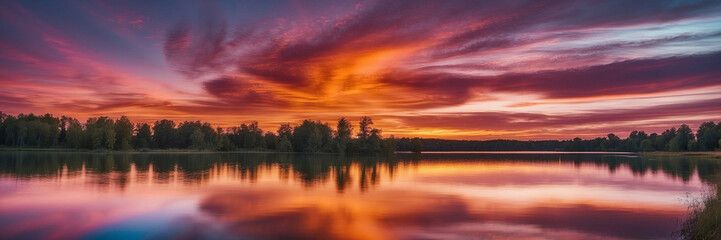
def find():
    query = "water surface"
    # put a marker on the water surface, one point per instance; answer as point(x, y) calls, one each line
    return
point(286, 196)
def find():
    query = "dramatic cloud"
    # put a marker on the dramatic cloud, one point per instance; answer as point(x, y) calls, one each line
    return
point(457, 69)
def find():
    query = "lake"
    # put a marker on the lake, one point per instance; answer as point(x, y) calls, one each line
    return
point(549, 195)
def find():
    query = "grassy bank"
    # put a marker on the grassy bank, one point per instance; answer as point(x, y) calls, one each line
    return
point(22, 149)
point(716, 155)
point(704, 216)
point(171, 150)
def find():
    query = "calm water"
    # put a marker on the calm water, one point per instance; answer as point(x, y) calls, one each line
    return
point(406, 196)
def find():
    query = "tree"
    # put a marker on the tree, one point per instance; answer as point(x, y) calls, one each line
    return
point(142, 136)
point(3, 116)
point(270, 140)
point(315, 141)
point(693, 145)
point(284, 145)
point(101, 133)
point(109, 137)
point(417, 145)
point(365, 127)
point(212, 139)
point(312, 136)
point(707, 136)
point(684, 135)
point(344, 130)
point(11, 130)
point(63, 129)
point(253, 135)
point(123, 133)
point(75, 134)
point(369, 138)
point(662, 141)
point(285, 130)
point(184, 135)
point(675, 145)
point(612, 142)
point(388, 145)
point(163, 133)
point(577, 144)
point(224, 143)
point(633, 142)
point(647, 145)
point(197, 139)
point(29, 130)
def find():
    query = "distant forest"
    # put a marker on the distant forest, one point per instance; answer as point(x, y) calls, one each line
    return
point(47, 131)
point(674, 140)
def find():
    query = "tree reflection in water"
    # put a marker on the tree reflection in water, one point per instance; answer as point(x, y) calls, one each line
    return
point(277, 195)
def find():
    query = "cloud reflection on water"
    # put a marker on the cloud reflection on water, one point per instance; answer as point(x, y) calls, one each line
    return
point(277, 196)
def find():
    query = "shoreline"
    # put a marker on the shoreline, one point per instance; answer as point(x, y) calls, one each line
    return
point(682, 154)
point(712, 154)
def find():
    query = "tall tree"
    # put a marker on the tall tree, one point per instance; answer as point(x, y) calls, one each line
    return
point(75, 134)
point(284, 145)
point(143, 137)
point(101, 132)
point(285, 130)
point(365, 126)
point(315, 141)
point(123, 133)
point(270, 140)
point(109, 137)
point(197, 139)
point(680, 142)
point(344, 131)
point(707, 136)
point(163, 133)
point(312, 136)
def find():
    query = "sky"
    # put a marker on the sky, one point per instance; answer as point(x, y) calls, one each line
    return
point(436, 69)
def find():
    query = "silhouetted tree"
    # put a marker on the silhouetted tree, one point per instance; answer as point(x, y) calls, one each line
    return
point(365, 126)
point(611, 143)
point(270, 140)
point(101, 133)
point(63, 130)
point(224, 143)
point(29, 130)
point(417, 145)
point(344, 131)
point(284, 145)
point(647, 145)
point(197, 139)
point(663, 140)
point(143, 137)
point(285, 130)
point(708, 136)
point(123, 133)
point(163, 133)
point(680, 142)
point(312, 136)
point(75, 135)
point(388, 145)
point(109, 137)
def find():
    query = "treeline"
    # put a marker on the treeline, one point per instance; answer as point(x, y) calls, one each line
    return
point(706, 138)
point(682, 139)
point(121, 134)
point(310, 136)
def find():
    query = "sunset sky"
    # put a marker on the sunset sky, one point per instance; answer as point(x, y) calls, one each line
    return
point(441, 69)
